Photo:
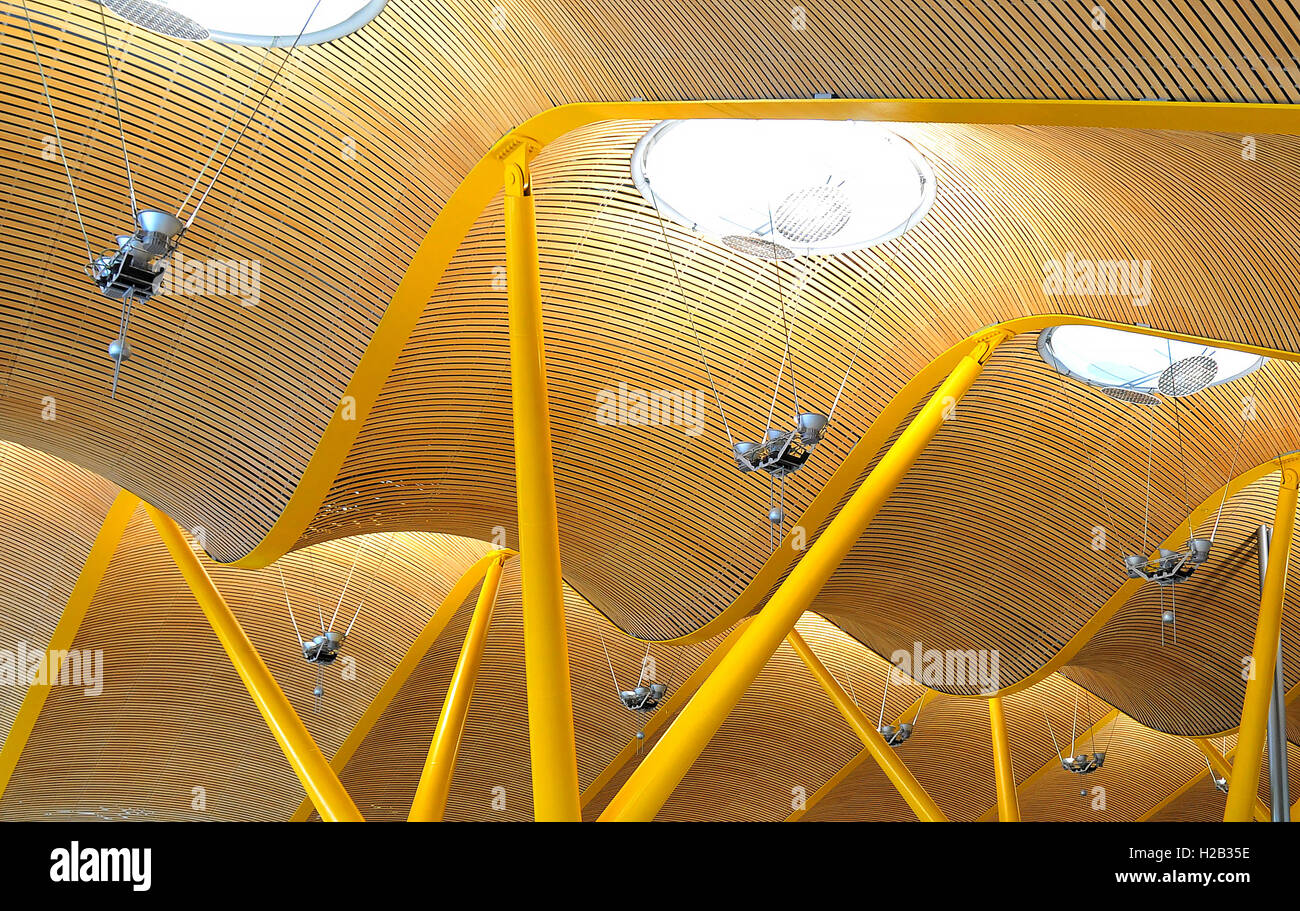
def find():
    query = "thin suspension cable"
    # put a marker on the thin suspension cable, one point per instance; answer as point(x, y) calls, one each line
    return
point(1233, 467)
point(644, 664)
point(1074, 727)
point(848, 675)
point(117, 103)
point(222, 138)
point(780, 296)
point(1146, 518)
point(58, 137)
point(881, 722)
point(285, 588)
point(1055, 745)
point(382, 558)
point(776, 391)
point(852, 361)
point(690, 315)
point(251, 117)
point(1092, 465)
point(617, 689)
point(1114, 725)
point(346, 582)
point(1182, 459)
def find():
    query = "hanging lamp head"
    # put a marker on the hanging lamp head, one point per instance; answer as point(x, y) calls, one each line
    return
point(812, 426)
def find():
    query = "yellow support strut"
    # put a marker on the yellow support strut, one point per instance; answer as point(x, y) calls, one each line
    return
point(309, 764)
point(1008, 802)
point(662, 770)
point(79, 601)
point(546, 649)
point(430, 801)
point(1244, 786)
point(1219, 766)
point(921, 803)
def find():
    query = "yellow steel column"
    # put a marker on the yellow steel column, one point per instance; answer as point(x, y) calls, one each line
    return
point(660, 772)
point(1008, 802)
point(435, 782)
point(309, 764)
point(1244, 786)
point(79, 601)
point(546, 649)
point(886, 756)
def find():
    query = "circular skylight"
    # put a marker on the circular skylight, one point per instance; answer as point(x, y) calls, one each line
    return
point(1144, 364)
point(774, 189)
point(267, 23)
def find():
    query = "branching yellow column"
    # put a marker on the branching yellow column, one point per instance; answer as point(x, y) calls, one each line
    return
point(309, 764)
point(546, 648)
point(435, 782)
point(886, 756)
point(1008, 802)
point(1244, 786)
point(79, 601)
point(649, 786)
point(1219, 766)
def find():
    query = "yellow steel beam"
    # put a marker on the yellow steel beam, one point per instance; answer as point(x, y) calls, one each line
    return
point(1003, 772)
point(849, 767)
point(546, 649)
point(1219, 763)
point(79, 601)
point(886, 756)
point(1291, 695)
point(1259, 688)
point(461, 210)
point(406, 667)
point(1054, 763)
point(430, 801)
point(661, 771)
point(665, 711)
point(309, 764)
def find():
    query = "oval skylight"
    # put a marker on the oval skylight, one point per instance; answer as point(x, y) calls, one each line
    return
point(774, 189)
point(254, 22)
point(1117, 360)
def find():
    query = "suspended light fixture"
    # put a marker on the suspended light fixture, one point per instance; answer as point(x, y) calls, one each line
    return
point(1143, 370)
point(647, 695)
point(325, 647)
point(1080, 762)
point(250, 22)
point(776, 189)
point(132, 271)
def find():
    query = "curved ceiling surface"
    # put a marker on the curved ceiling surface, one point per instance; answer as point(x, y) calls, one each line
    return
point(360, 146)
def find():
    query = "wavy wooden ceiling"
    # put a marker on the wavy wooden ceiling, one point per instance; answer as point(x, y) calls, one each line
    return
point(222, 405)
point(173, 715)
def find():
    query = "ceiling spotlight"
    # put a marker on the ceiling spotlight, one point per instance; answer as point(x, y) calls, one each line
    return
point(1169, 567)
point(1084, 763)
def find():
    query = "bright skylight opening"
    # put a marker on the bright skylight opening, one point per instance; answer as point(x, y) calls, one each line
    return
point(781, 188)
point(1114, 359)
point(274, 23)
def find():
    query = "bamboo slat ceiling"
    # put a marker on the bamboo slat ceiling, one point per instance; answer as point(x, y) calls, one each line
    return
point(222, 405)
point(173, 715)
